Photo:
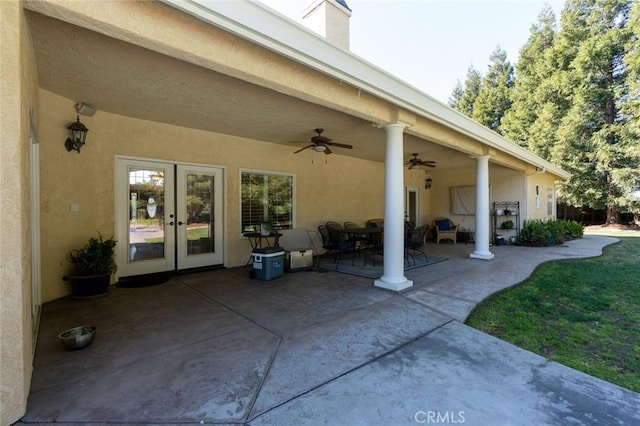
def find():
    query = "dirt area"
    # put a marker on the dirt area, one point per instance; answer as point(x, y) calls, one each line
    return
point(611, 229)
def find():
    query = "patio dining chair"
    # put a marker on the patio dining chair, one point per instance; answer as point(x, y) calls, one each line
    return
point(334, 242)
point(415, 242)
point(361, 241)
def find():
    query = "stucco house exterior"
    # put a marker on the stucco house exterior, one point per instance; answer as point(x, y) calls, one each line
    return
point(229, 92)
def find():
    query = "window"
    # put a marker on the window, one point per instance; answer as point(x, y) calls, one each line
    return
point(266, 197)
point(551, 202)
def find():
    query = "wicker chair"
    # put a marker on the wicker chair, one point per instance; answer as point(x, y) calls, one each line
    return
point(445, 229)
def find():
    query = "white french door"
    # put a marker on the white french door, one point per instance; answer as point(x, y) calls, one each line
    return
point(168, 216)
point(199, 216)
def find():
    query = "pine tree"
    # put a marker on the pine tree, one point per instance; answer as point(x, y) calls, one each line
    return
point(534, 115)
point(630, 113)
point(494, 97)
point(592, 144)
point(463, 99)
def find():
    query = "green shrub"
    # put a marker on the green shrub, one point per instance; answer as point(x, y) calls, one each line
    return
point(535, 233)
point(541, 233)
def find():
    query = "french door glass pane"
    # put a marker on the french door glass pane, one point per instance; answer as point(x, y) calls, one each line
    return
point(146, 214)
point(200, 217)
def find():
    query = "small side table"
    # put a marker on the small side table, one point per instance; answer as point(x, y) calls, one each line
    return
point(258, 240)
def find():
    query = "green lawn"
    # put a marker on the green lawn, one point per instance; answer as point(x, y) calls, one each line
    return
point(581, 313)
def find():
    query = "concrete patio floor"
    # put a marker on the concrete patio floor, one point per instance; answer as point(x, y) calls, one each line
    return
point(314, 348)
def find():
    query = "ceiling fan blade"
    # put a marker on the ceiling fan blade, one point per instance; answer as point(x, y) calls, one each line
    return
point(428, 162)
point(320, 139)
point(339, 145)
point(327, 151)
point(302, 149)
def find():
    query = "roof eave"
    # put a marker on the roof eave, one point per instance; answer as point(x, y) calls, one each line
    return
point(262, 26)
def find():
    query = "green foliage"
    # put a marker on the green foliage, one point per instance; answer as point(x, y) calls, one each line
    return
point(575, 101)
point(97, 257)
point(507, 224)
point(496, 92)
point(541, 233)
point(536, 110)
point(463, 99)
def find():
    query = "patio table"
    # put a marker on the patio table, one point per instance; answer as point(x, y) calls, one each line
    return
point(366, 235)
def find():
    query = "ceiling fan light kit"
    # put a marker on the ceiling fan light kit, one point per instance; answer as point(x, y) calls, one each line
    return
point(321, 143)
point(415, 163)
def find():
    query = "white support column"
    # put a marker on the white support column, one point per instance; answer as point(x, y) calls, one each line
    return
point(393, 275)
point(482, 210)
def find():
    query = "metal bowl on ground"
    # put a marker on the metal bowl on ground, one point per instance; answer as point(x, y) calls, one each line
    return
point(77, 337)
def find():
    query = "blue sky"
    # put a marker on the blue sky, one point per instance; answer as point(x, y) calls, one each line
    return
point(430, 44)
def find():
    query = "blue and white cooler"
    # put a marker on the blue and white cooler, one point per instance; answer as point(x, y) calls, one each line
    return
point(268, 263)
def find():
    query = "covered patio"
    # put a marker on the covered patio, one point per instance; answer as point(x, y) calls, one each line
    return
point(311, 348)
point(229, 92)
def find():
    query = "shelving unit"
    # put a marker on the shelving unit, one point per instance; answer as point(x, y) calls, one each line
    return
point(503, 213)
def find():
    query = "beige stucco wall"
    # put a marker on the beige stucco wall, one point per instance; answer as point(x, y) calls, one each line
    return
point(506, 185)
point(339, 188)
point(545, 183)
point(17, 98)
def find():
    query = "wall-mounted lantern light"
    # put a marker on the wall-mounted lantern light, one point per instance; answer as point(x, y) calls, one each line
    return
point(428, 182)
point(77, 136)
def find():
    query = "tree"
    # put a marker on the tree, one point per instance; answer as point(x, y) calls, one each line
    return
point(630, 111)
point(536, 110)
point(463, 99)
point(593, 144)
point(496, 91)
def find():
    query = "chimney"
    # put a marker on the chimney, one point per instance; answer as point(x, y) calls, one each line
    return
point(330, 19)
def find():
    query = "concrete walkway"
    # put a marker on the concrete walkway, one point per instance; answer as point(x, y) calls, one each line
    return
point(315, 348)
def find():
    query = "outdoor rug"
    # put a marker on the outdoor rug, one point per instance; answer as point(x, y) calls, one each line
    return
point(369, 271)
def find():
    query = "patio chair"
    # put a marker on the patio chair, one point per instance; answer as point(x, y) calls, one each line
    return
point(334, 225)
point(361, 241)
point(333, 241)
point(375, 223)
point(445, 229)
point(414, 243)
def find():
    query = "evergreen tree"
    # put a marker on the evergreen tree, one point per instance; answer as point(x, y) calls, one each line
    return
point(456, 95)
point(630, 113)
point(496, 91)
point(463, 99)
point(534, 115)
point(592, 144)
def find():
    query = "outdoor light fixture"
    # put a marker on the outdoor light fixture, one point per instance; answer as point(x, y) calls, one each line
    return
point(85, 109)
point(428, 182)
point(77, 136)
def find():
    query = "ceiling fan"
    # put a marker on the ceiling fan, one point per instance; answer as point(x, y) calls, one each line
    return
point(321, 143)
point(415, 163)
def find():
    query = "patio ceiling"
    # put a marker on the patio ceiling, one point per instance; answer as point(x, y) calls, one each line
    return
point(121, 78)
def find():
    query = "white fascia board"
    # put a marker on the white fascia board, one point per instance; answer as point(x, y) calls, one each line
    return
point(267, 28)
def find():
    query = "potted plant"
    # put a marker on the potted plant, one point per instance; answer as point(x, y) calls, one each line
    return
point(507, 224)
point(91, 267)
point(267, 227)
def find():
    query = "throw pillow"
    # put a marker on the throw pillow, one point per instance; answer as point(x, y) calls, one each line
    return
point(443, 225)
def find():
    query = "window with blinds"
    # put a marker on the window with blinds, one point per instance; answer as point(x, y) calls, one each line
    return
point(266, 198)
